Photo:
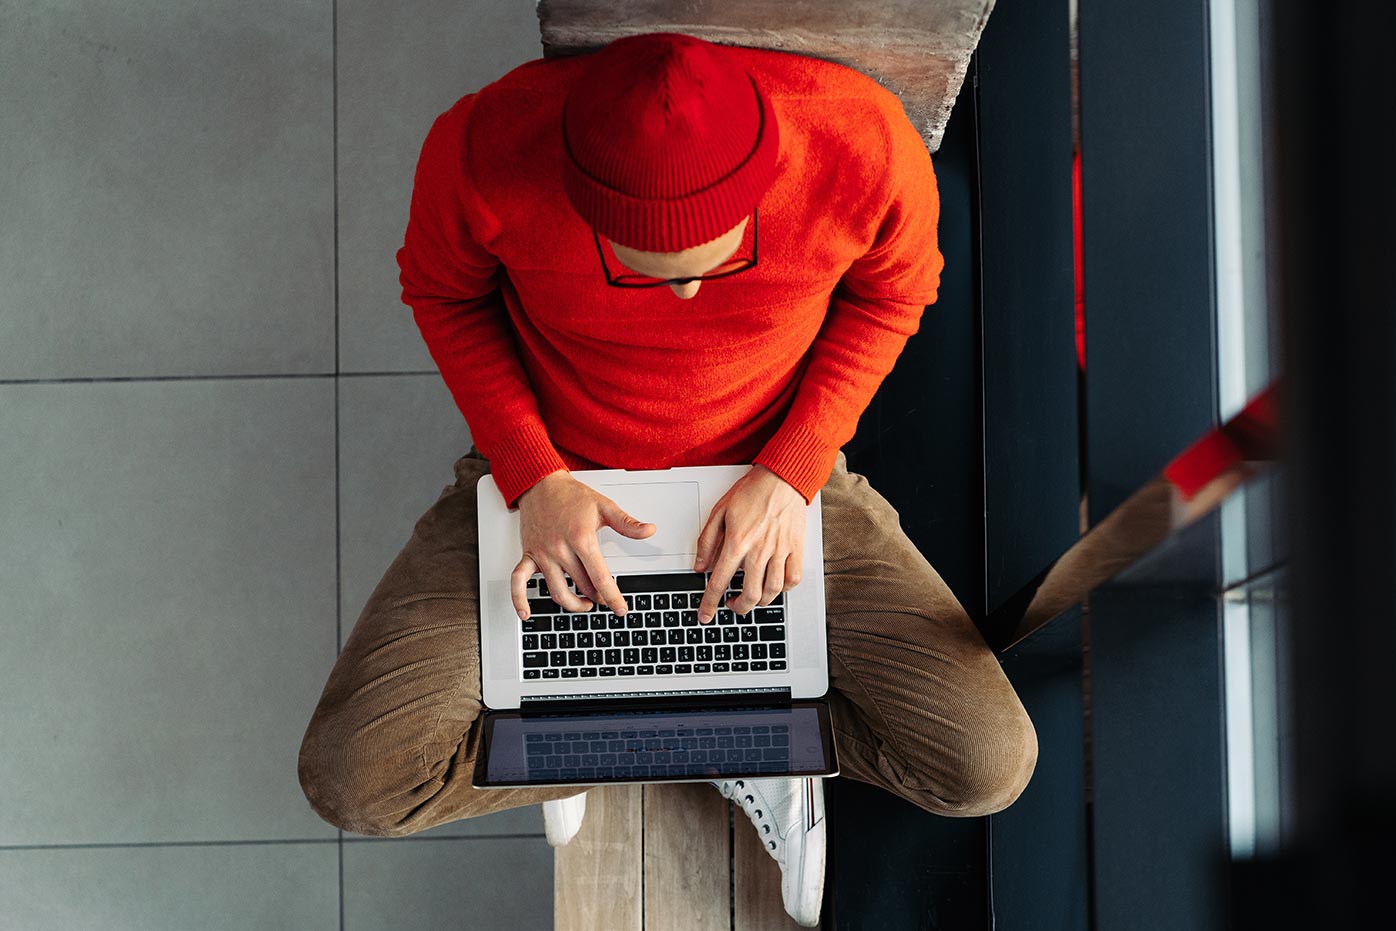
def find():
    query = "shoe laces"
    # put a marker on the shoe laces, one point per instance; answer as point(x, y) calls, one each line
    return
point(740, 791)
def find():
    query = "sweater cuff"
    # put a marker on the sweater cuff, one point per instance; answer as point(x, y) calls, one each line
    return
point(521, 460)
point(801, 457)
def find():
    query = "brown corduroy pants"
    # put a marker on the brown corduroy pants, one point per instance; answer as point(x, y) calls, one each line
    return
point(920, 705)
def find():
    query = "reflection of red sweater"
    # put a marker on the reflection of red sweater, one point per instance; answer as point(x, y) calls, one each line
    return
point(553, 368)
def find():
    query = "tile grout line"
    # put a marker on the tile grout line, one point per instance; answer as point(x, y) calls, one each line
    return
point(13, 848)
point(254, 377)
point(334, 189)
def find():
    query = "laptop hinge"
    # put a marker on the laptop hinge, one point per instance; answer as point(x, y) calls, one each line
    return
point(619, 700)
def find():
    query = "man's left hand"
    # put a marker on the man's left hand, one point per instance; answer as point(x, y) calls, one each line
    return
point(759, 527)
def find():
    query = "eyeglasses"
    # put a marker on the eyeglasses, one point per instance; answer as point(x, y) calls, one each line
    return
point(730, 267)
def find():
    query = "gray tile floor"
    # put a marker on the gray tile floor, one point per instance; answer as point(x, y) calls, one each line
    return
point(218, 425)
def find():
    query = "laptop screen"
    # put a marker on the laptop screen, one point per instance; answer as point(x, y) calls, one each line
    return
point(655, 745)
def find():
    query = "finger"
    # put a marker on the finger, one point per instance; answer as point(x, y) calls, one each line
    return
point(606, 586)
point(793, 564)
point(728, 562)
point(709, 539)
point(518, 582)
point(585, 587)
point(557, 587)
point(621, 522)
point(752, 587)
point(775, 579)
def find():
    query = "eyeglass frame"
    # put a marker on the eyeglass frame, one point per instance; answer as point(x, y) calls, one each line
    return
point(605, 269)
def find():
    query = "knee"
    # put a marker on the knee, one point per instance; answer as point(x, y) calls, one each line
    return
point(996, 767)
point(335, 786)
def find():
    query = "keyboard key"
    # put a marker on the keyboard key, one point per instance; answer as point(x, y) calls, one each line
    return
point(722, 651)
point(607, 671)
point(530, 673)
point(557, 658)
point(642, 603)
point(576, 657)
point(640, 638)
point(549, 673)
point(588, 673)
point(701, 667)
point(668, 655)
point(537, 625)
point(695, 635)
point(731, 635)
point(620, 638)
point(661, 602)
point(758, 651)
point(724, 616)
point(649, 655)
point(613, 657)
point(777, 651)
point(704, 652)
point(749, 634)
point(671, 618)
point(777, 664)
point(594, 658)
point(770, 615)
point(664, 670)
point(630, 656)
point(758, 666)
point(636, 619)
point(683, 668)
point(713, 635)
point(533, 660)
point(676, 637)
point(626, 670)
point(566, 641)
point(530, 641)
point(720, 667)
point(739, 667)
point(615, 621)
point(542, 606)
point(688, 618)
point(585, 640)
point(644, 670)
point(773, 633)
point(685, 654)
point(741, 651)
point(547, 641)
point(569, 673)
point(562, 623)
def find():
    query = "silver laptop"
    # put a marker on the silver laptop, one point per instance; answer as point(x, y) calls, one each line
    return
point(590, 698)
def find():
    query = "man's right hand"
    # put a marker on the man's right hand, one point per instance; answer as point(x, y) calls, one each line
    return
point(559, 519)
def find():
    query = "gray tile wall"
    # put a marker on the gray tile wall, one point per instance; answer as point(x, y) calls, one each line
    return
point(218, 426)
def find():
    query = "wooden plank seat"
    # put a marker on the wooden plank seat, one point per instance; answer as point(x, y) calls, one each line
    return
point(667, 857)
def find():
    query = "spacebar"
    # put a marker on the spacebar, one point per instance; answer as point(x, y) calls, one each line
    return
point(662, 582)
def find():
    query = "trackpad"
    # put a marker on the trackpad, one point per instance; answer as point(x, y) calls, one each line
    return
point(671, 506)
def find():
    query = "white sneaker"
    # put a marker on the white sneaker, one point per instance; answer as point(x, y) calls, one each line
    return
point(562, 818)
point(789, 816)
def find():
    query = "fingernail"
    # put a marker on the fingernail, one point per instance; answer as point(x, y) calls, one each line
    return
point(523, 615)
point(702, 619)
point(699, 565)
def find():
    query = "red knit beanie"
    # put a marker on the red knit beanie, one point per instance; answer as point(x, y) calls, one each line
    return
point(669, 142)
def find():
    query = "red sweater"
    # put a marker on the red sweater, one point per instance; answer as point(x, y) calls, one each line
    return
point(555, 369)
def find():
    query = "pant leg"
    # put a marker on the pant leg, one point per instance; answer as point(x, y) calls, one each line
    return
point(920, 704)
point(391, 746)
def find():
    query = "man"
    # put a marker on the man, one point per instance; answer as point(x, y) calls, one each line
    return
point(670, 253)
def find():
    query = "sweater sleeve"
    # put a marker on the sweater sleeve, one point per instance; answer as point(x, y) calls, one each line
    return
point(875, 309)
point(450, 281)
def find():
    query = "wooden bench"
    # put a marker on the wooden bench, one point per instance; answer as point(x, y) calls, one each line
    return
point(669, 857)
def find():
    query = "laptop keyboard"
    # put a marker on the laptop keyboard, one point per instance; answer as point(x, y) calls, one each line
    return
point(659, 636)
point(638, 752)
